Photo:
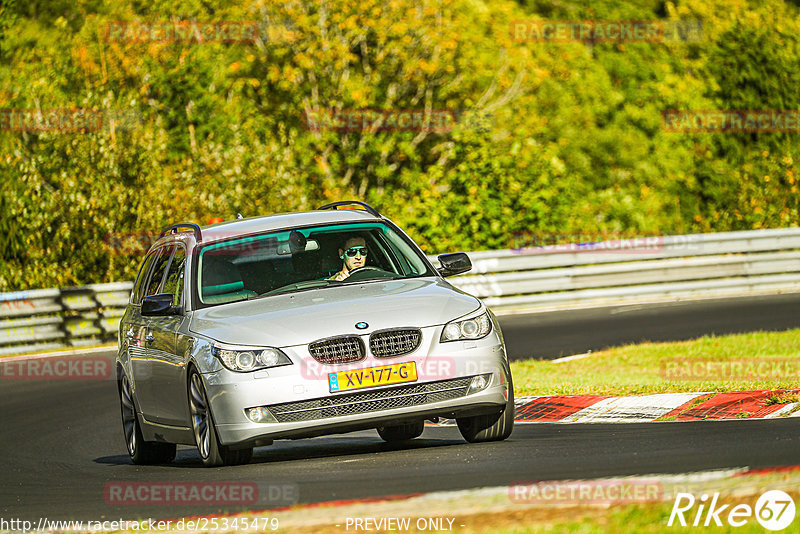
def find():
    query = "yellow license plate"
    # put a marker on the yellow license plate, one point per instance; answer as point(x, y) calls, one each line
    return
point(373, 376)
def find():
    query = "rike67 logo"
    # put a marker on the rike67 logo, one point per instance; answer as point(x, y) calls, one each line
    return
point(774, 510)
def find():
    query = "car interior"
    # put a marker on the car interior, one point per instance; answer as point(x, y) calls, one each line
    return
point(258, 267)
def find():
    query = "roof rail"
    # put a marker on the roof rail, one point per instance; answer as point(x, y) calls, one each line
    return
point(335, 205)
point(198, 236)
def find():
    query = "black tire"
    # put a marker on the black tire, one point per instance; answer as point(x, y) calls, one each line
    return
point(205, 433)
point(140, 451)
point(492, 427)
point(401, 432)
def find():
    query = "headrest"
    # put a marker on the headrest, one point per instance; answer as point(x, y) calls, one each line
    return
point(219, 276)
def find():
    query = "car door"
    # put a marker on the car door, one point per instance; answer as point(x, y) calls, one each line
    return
point(141, 360)
point(167, 363)
point(132, 324)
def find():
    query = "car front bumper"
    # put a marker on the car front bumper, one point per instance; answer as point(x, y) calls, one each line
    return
point(299, 394)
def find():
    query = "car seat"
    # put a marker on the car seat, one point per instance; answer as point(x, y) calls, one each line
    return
point(222, 282)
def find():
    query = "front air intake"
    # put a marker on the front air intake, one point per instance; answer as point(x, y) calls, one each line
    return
point(395, 342)
point(334, 350)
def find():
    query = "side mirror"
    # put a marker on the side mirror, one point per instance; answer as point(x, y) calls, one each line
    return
point(455, 263)
point(160, 304)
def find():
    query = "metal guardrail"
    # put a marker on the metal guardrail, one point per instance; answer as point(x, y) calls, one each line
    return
point(636, 270)
point(537, 278)
point(45, 319)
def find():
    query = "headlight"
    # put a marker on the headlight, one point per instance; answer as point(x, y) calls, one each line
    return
point(250, 359)
point(472, 328)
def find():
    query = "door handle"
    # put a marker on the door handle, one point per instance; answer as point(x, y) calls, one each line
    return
point(149, 338)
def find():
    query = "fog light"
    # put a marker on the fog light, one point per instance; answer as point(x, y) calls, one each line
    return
point(260, 414)
point(479, 383)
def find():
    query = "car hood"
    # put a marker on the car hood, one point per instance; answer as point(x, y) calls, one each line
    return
point(302, 317)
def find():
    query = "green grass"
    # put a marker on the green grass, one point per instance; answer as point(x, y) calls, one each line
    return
point(475, 512)
point(661, 368)
point(782, 398)
point(631, 519)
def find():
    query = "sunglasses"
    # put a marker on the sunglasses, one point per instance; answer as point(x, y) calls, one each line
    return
point(352, 251)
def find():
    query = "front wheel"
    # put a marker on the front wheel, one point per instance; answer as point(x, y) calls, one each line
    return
point(492, 427)
point(140, 451)
point(401, 432)
point(205, 434)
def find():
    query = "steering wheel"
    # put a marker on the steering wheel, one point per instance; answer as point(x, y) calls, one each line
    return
point(367, 271)
point(365, 268)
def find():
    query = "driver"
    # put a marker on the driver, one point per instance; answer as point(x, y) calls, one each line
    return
point(354, 254)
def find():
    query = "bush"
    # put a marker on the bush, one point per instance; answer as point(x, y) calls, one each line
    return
point(552, 139)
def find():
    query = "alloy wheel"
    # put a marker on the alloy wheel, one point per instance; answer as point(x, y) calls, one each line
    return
point(128, 416)
point(200, 420)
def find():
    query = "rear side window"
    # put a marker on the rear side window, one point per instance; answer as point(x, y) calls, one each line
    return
point(174, 282)
point(157, 273)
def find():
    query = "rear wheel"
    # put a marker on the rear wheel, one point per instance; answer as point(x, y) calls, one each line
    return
point(141, 452)
point(205, 434)
point(401, 432)
point(492, 427)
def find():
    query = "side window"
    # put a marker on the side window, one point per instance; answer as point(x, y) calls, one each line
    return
point(394, 262)
point(157, 273)
point(136, 294)
point(174, 281)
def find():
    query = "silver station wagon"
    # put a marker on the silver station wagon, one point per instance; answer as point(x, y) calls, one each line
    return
point(298, 325)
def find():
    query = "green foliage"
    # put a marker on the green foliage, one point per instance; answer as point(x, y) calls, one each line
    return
point(554, 138)
point(8, 16)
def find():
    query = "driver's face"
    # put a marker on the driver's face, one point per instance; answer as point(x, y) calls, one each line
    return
point(357, 261)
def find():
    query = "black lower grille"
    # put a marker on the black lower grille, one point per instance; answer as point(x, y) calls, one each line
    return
point(371, 401)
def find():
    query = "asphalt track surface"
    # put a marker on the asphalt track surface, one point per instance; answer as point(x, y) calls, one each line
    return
point(62, 443)
point(556, 334)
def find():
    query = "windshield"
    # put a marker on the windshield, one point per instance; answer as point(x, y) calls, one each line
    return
point(304, 258)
